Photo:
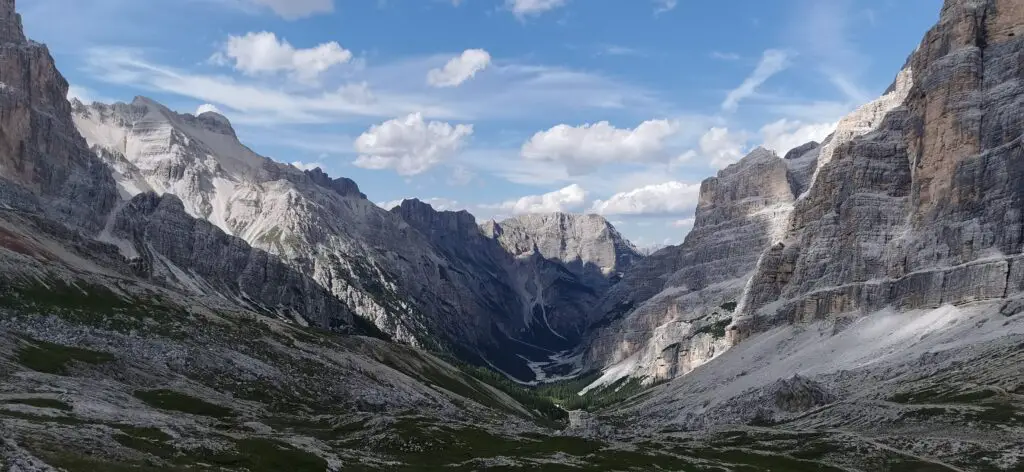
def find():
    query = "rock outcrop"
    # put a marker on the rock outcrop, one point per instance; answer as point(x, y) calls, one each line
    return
point(924, 210)
point(668, 313)
point(564, 263)
point(39, 147)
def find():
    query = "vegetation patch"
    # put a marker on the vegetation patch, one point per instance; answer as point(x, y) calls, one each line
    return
point(146, 445)
point(177, 401)
point(716, 329)
point(262, 455)
point(54, 358)
point(40, 403)
point(154, 434)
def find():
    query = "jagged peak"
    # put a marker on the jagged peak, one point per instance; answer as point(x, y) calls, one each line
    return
point(343, 186)
point(11, 30)
point(801, 150)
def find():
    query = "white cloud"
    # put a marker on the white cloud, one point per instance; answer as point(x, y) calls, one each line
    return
point(459, 69)
point(784, 135)
point(722, 147)
point(582, 149)
point(263, 53)
point(513, 91)
point(663, 6)
point(409, 145)
point(83, 94)
point(306, 165)
point(461, 176)
point(669, 198)
point(524, 8)
point(772, 62)
point(296, 9)
point(206, 107)
point(564, 200)
point(684, 223)
point(252, 102)
point(725, 56)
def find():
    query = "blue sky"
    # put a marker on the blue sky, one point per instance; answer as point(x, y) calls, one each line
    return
point(500, 107)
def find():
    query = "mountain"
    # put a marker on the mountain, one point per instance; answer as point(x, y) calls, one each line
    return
point(415, 273)
point(883, 308)
point(137, 335)
point(669, 314)
point(169, 299)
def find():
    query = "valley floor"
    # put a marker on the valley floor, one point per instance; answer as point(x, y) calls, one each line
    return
point(93, 384)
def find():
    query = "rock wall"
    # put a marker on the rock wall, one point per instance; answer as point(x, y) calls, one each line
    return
point(925, 210)
point(668, 314)
point(39, 147)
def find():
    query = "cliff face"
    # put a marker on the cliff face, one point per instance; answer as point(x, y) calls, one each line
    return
point(39, 147)
point(925, 210)
point(667, 315)
point(563, 265)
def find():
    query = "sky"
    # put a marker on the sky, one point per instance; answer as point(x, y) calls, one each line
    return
point(499, 107)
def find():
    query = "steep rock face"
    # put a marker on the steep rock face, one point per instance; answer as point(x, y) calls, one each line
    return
point(926, 209)
point(50, 174)
point(195, 255)
point(586, 244)
point(668, 314)
point(563, 264)
point(39, 147)
point(428, 278)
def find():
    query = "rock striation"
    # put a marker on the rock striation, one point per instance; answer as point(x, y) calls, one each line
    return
point(39, 147)
point(668, 313)
point(925, 209)
point(427, 278)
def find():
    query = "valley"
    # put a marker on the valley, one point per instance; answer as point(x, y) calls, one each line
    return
point(172, 300)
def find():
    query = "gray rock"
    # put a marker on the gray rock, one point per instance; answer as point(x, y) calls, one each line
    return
point(925, 210)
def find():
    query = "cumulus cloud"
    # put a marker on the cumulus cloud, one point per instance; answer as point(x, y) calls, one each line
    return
point(264, 53)
point(784, 135)
point(564, 200)
point(772, 62)
point(582, 149)
point(722, 147)
point(409, 145)
point(459, 69)
point(669, 198)
point(296, 9)
point(207, 107)
point(524, 8)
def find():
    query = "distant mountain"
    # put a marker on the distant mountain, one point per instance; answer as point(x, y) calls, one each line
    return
point(414, 272)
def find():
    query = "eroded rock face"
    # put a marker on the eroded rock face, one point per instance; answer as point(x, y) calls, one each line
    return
point(197, 256)
point(39, 147)
point(564, 263)
point(668, 314)
point(428, 278)
point(927, 209)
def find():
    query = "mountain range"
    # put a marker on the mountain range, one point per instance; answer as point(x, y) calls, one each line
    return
point(853, 305)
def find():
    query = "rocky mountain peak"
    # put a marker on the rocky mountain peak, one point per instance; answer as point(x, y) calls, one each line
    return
point(586, 240)
point(342, 186)
point(425, 218)
point(11, 30)
point(801, 150)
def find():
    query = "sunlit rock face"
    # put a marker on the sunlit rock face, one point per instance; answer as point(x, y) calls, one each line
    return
point(668, 314)
point(926, 209)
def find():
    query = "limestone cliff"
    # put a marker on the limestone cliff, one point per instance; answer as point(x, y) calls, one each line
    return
point(926, 209)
